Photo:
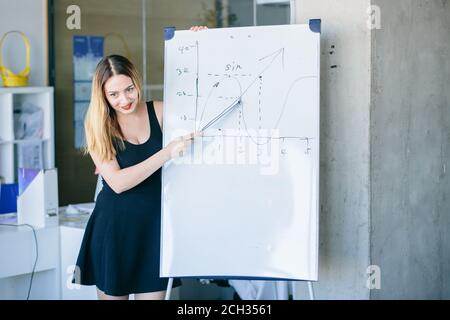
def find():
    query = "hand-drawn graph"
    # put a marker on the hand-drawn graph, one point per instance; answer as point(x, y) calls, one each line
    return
point(248, 189)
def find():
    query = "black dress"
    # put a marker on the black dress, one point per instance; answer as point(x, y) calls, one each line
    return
point(120, 252)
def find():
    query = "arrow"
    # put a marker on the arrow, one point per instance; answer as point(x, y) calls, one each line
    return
point(276, 53)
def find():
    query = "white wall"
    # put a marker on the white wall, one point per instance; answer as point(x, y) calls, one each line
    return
point(30, 17)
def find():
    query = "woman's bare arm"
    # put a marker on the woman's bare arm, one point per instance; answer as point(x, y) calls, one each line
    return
point(121, 180)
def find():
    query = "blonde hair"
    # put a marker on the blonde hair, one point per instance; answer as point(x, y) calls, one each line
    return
point(102, 130)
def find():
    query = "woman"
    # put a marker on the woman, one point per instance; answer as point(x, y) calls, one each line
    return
point(120, 252)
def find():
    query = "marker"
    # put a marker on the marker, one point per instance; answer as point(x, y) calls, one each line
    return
point(221, 115)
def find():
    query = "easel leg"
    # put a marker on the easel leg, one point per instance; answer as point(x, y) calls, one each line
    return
point(281, 290)
point(311, 291)
point(169, 289)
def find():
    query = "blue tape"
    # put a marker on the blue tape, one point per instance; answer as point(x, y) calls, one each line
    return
point(169, 32)
point(315, 25)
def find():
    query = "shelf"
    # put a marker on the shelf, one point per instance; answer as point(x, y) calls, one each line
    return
point(23, 141)
point(11, 100)
point(25, 90)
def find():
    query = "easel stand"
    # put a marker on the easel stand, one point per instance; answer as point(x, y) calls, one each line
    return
point(169, 289)
point(310, 290)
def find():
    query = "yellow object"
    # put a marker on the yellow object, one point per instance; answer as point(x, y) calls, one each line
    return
point(9, 78)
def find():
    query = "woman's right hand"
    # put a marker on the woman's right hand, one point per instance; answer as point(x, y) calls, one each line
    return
point(177, 147)
point(198, 28)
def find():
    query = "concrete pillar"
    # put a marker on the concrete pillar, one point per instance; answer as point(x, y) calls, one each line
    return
point(385, 147)
point(410, 149)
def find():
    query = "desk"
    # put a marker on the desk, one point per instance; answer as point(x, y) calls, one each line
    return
point(17, 255)
point(58, 245)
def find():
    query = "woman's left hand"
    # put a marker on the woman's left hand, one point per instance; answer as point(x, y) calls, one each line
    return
point(198, 28)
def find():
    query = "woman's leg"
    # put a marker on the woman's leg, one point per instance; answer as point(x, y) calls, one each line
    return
point(103, 296)
point(158, 295)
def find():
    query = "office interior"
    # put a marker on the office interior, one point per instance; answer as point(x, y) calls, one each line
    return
point(384, 197)
point(133, 29)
